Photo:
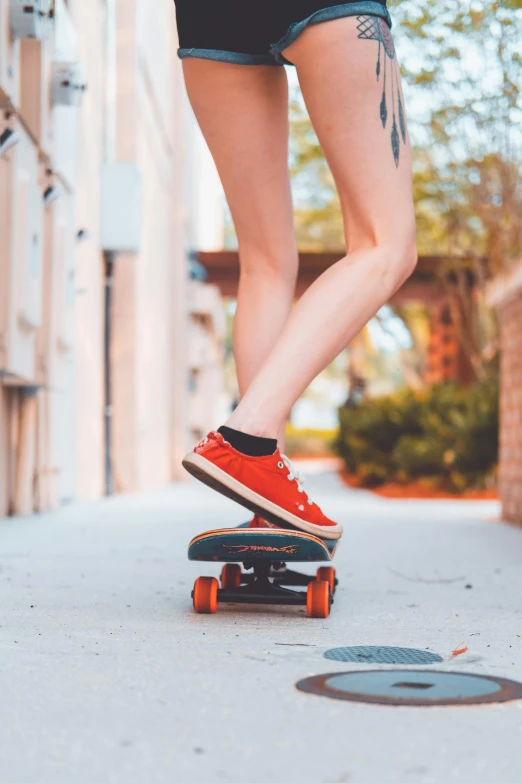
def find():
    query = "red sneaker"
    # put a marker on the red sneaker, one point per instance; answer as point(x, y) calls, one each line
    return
point(258, 521)
point(268, 486)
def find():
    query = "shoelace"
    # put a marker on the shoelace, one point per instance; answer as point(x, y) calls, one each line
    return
point(295, 475)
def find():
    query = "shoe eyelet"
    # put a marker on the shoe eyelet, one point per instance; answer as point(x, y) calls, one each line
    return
point(280, 465)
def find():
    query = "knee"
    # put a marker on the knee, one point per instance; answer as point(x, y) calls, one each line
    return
point(274, 264)
point(399, 260)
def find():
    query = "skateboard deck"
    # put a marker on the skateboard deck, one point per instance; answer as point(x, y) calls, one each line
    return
point(240, 544)
point(264, 577)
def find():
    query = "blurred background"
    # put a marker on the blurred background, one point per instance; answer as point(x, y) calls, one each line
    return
point(119, 268)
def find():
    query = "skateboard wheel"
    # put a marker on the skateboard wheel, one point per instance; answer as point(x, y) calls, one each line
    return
point(326, 574)
point(205, 593)
point(318, 598)
point(230, 576)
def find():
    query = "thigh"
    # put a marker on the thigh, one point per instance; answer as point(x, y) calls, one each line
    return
point(243, 113)
point(350, 80)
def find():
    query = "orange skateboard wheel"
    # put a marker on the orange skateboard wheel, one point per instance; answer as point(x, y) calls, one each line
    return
point(230, 576)
point(326, 574)
point(204, 595)
point(318, 598)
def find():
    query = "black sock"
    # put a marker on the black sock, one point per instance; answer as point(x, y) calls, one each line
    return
point(250, 445)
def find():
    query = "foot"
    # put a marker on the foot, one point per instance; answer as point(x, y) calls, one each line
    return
point(268, 486)
point(258, 521)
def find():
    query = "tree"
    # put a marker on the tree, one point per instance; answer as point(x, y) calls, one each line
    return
point(469, 177)
point(463, 69)
point(319, 225)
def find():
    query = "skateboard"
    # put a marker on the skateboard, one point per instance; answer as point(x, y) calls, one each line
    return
point(264, 578)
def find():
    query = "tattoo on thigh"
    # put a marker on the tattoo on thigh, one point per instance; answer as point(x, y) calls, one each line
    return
point(372, 28)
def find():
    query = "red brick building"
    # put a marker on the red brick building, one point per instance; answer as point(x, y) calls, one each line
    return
point(506, 295)
point(446, 360)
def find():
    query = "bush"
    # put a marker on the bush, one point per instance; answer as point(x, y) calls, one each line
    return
point(309, 442)
point(447, 435)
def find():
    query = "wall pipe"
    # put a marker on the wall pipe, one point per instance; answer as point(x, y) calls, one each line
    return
point(109, 257)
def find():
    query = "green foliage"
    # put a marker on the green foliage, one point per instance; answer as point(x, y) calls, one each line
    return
point(447, 435)
point(463, 70)
point(467, 162)
point(309, 442)
point(319, 224)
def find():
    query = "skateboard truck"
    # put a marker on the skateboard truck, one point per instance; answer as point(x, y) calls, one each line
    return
point(262, 587)
point(283, 576)
point(264, 578)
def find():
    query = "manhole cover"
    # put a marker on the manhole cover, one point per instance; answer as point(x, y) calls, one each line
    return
point(391, 655)
point(412, 688)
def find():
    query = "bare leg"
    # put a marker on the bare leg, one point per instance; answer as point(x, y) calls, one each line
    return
point(337, 72)
point(243, 113)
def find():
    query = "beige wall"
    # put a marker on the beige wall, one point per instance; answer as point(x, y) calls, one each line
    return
point(52, 317)
point(505, 293)
point(90, 18)
point(205, 351)
point(510, 466)
point(5, 481)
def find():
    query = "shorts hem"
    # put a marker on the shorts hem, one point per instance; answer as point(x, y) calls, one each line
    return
point(221, 55)
point(370, 7)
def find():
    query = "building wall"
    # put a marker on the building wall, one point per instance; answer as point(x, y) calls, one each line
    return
point(511, 409)
point(5, 453)
point(206, 334)
point(92, 142)
point(54, 259)
point(505, 293)
point(147, 125)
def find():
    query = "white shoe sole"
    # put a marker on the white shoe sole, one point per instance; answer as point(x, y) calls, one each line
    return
point(205, 470)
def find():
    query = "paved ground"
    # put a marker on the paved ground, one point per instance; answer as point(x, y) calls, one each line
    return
point(106, 675)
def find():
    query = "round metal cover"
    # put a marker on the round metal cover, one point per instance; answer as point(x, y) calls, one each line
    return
point(391, 655)
point(412, 688)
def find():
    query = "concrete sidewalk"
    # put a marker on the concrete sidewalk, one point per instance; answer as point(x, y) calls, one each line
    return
point(107, 675)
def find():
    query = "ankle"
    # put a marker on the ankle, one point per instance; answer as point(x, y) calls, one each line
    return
point(251, 445)
point(252, 428)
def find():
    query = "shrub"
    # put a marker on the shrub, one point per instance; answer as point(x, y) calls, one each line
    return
point(447, 434)
point(309, 442)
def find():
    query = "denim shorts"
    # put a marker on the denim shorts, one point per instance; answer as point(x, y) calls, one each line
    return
point(255, 32)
